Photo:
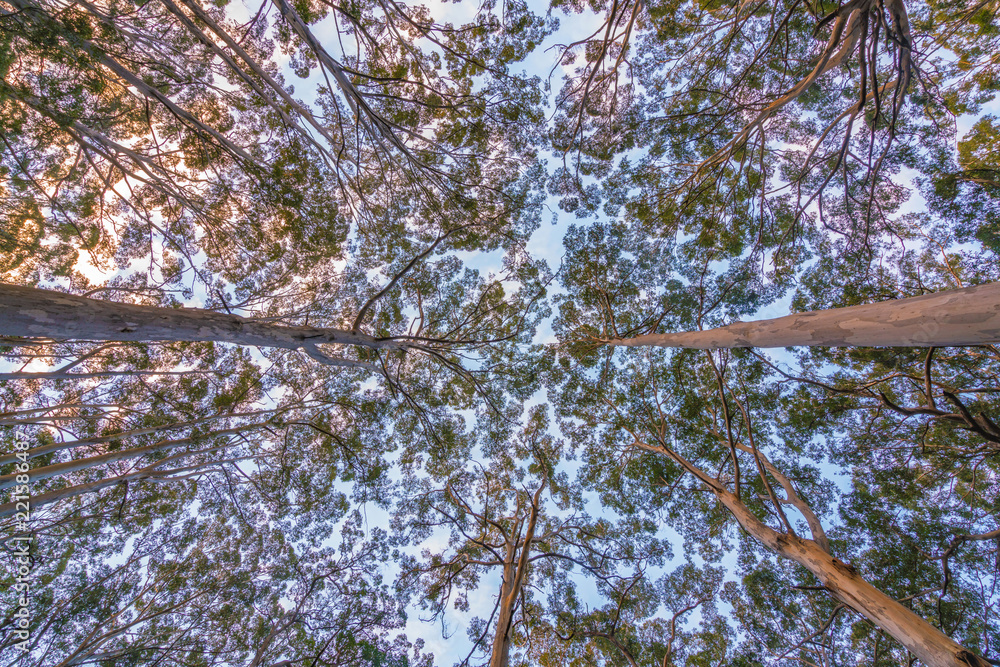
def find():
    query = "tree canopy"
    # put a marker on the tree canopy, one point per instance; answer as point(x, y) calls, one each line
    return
point(296, 371)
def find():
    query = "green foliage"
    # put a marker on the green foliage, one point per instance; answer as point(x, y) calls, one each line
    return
point(205, 504)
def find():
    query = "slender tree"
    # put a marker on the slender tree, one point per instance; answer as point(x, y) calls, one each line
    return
point(518, 518)
point(189, 467)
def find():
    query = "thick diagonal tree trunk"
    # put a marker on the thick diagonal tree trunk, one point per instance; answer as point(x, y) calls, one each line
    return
point(38, 313)
point(968, 316)
point(932, 646)
point(928, 643)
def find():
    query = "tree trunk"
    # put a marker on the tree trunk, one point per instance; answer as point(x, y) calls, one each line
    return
point(76, 465)
point(42, 450)
point(151, 471)
point(928, 643)
point(508, 597)
point(38, 313)
point(513, 582)
point(968, 316)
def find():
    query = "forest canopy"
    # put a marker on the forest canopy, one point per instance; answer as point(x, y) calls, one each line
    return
point(612, 333)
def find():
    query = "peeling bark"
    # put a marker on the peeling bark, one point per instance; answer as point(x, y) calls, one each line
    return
point(968, 316)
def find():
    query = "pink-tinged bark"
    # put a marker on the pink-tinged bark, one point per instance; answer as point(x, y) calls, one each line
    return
point(928, 643)
point(922, 639)
point(968, 316)
point(37, 313)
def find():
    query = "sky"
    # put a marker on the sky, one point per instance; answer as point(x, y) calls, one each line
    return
point(545, 243)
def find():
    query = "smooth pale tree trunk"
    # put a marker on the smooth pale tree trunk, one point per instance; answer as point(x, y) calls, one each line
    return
point(968, 316)
point(508, 596)
point(928, 643)
point(37, 313)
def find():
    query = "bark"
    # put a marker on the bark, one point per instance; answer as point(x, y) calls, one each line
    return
point(76, 465)
point(968, 316)
point(42, 450)
point(928, 643)
point(508, 597)
point(37, 313)
point(513, 582)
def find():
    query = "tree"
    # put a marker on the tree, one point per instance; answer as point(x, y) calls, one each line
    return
point(966, 316)
point(767, 130)
point(270, 522)
point(621, 285)
point(197, 590)
point(34, 313)
point(628, 632)
point(720, 445)
point(107, 177)
point(520, 517)
point(381, 220)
